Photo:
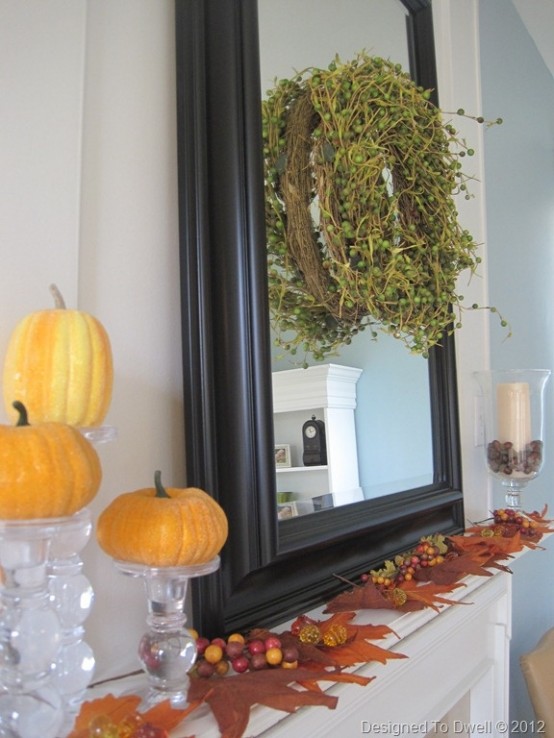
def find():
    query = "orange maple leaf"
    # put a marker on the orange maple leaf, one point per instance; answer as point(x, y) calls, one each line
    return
point(482, 546)
point(356, 650)
point(355, 630)
point(117, 709)
point(361, 652)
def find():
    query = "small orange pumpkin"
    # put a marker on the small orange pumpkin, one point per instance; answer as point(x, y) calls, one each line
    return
point(59, 365)
point(160, 526)
point(47, 470)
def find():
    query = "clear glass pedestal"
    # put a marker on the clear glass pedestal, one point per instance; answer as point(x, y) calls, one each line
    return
point(72, 597)
point(167, 651)
point(30, 633)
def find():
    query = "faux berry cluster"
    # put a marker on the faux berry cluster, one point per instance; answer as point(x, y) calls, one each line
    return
point(218, 656)
point(429, 552)
point(308, 631)
point(507, 522)
point(132, 726)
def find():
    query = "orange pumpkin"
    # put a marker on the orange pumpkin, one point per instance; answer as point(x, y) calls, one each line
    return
point(163, 527)
point(59, 365)
point(47, 470)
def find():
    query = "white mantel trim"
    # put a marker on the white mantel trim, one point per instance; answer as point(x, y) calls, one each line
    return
point(321, 386)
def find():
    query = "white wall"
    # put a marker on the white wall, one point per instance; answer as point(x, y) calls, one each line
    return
point(88, 200)
point(458, 63)
point(40, 148)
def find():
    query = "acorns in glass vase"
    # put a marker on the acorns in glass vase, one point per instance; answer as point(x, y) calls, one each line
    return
point(513, 413)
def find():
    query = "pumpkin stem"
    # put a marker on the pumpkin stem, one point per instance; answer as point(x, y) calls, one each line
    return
point(59, 302)
point(160, 489)
point(22, 410)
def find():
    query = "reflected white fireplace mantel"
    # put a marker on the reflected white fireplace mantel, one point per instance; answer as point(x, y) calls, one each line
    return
point(454, 680)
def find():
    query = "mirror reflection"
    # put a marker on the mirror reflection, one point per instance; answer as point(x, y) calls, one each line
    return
point(345, 428)
point(270, 571)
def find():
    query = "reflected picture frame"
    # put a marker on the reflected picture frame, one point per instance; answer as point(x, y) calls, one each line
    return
point(282, 456)
point(294, 509)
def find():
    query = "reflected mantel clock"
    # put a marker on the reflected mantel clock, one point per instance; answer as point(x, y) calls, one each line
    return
point(315, 446)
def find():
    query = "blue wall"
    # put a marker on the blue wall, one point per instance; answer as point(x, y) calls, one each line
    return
point(519, 165)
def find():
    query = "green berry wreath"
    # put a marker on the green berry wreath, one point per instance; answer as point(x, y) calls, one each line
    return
point(360, 177)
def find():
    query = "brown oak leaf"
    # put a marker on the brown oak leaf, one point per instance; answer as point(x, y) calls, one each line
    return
point(451, 570)
point(369, 596)
point(231, 697)
point(338, 676)
point(366, 597)
point(428, 594)
point(361, 652)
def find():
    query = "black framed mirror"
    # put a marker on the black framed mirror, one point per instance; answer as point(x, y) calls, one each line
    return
point(270, 571)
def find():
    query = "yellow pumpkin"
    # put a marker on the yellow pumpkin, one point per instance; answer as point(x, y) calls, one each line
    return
point(47, 470)
point(160, 526)
point(59, 365)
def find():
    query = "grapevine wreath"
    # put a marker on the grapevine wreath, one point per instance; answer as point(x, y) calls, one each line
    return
point(360, 177)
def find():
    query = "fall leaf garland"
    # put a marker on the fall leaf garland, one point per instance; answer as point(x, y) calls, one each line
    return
point(328, 647)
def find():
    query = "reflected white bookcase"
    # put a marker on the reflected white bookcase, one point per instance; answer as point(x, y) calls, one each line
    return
point(327, 391)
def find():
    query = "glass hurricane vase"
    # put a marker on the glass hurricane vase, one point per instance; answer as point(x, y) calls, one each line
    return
point(167, 651)
point(30, 633)
point(513, 414)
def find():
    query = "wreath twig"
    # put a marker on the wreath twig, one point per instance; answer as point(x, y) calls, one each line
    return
point(361, 173)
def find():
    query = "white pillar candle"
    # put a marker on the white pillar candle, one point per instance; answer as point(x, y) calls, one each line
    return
point(513, 411)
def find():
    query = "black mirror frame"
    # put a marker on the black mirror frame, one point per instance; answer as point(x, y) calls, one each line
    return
point(270, 571)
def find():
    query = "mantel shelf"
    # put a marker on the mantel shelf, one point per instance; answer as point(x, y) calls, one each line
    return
point(475, 638)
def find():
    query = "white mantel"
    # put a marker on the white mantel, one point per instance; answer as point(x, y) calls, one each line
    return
point(458, 663)
point(455, 674)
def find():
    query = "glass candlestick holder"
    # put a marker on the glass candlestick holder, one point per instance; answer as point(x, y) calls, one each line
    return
point(30, 633)
point(513, 414)
point(72, 597)
point(167, 651)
